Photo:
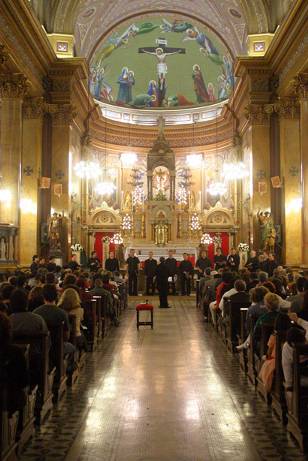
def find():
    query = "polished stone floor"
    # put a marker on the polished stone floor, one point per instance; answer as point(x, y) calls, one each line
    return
point(170, 394)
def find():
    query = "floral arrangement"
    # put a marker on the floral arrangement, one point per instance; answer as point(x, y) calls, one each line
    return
point(243, 247)
point(160, 196)
point(76, 247)
point(106, 239)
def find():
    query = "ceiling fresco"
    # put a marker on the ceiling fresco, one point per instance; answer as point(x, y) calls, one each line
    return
point(164, 60)
point(95, 18)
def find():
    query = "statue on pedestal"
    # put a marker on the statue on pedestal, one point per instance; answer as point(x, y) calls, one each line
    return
point(267, 231)
point(55, 232)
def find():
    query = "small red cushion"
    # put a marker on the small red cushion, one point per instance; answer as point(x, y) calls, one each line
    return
point(144, 307)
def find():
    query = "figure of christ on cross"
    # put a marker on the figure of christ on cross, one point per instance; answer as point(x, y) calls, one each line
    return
point(161, 54)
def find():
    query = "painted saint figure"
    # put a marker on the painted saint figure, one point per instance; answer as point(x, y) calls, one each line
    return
point(126, 81)
point(199, 85)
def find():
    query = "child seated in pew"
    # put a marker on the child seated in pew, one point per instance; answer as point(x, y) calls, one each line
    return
point(266, 374)
point(13, 367)
point(70, 302)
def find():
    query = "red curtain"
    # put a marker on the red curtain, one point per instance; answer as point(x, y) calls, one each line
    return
point(98, 244)
point(224, 245)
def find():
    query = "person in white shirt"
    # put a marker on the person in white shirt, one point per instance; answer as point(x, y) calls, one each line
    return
point(294, 336)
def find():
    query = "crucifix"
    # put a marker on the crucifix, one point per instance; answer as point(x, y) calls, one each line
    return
point(161, 52)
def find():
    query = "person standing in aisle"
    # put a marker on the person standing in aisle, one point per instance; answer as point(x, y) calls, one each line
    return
point(171, 265)
point(185, 270)
point(162, 275)
point(133, 265)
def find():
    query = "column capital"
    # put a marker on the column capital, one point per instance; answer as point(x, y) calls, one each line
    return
point(285, 108)
point(301, 85)
point(62, 114)
point(33, 107)
point(258, 114)
point(13, 86)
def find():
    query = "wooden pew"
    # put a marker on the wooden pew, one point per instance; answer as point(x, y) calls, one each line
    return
point(90, 320)
point(279, 404)
point(298, 411)
point(72, 375)
point(266, 331)
point(99, 317)
point(8, 426)
point(242, 337)
point(39, 365)
point(57, 360)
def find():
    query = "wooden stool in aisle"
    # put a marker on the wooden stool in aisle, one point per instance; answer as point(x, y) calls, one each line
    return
point(145, 307)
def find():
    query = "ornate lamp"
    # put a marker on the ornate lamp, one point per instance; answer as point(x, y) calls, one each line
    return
point(105, 188)
point(195, 225)
point(87, 169)
point(117, 239)
point(217, 188)
point(206, 239)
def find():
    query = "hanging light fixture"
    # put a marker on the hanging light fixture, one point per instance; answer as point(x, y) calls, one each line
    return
point(181, 196)
point(195, 223)
point(105, 188)
point(194, 161)
point(234, 170)
point(206, 239)
point(217, 187)
point(128, 159)
point(138, 195)
point(117, 239)
point(5, 195)
point(126, 222)
point(87, 169)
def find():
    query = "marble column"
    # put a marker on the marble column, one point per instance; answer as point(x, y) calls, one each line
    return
point(30, 172)
point(12, 91)
point(62, 118)
point(259, 134)
point(290, 157)
point(302, 90)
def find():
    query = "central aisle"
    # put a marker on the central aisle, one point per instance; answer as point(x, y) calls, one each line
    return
point(171, 394)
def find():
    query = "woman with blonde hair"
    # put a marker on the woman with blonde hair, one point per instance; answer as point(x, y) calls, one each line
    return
point(70, 302)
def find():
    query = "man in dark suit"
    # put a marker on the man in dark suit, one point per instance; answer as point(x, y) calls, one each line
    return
point(162, 275)
point(171, 265)
point(112, 263)
point(185, 270)
point(132, 264)
point(150, 266)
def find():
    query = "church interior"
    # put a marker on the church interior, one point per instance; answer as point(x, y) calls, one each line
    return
point(152, 156)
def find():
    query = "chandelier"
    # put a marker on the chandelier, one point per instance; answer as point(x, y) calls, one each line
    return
point(117, 239)
point(181, 196)
point(235, 170)
point(5, 195)
point(195, 223)
point(105, 188)
point(128, 159)
point(206, 239)
point(87, 170)
point(138, 196)
point(194, 160)
point(126, 222)
point(217, 188)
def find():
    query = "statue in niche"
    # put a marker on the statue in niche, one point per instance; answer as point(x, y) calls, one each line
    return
point(127, 202)
point(267, 230)
point(192, 200)
point(161, 234)
point(138, 227)
point(161, 182)
point(55, 231)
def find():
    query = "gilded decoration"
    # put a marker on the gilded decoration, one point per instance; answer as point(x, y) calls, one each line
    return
point(3, 55)
point(219, 218)
point(301, 85)
point(13, 86)
point(62, 113)
point(33, 108)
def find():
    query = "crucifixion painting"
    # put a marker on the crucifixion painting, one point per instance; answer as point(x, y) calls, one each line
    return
point(161, 52)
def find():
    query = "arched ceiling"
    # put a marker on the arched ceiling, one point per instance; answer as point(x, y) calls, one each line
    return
point(89, 20)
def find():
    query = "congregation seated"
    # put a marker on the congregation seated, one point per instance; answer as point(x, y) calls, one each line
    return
point(13, 367)
point(266, 374)
point(297, 300)
point(5, 294)
point(54, 317)
point(24, 323)
point(107, 298)
point(295, 336)
point(71, 304)
point(35, 298)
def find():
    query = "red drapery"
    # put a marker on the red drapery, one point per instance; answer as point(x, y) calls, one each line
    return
point(98, 244)
point(224, 245)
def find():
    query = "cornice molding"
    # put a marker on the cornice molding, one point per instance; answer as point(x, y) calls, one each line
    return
point(33, 107)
